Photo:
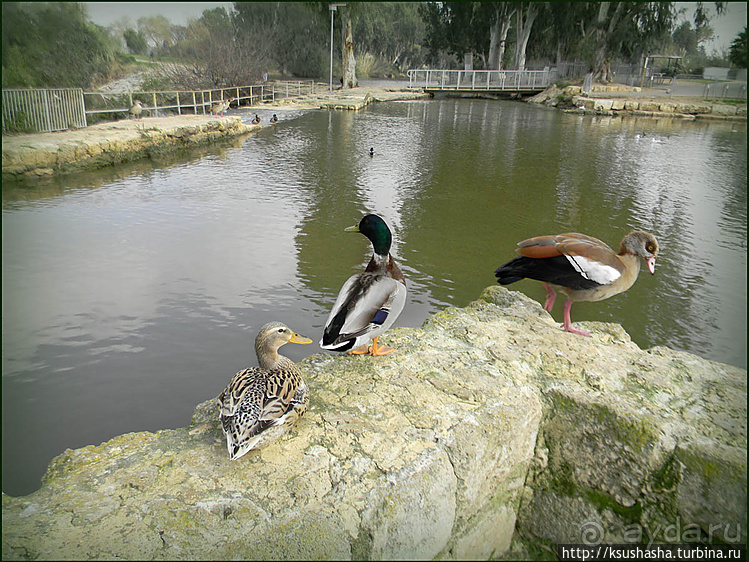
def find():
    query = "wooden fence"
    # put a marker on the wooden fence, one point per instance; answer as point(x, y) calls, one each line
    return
point(46, 110)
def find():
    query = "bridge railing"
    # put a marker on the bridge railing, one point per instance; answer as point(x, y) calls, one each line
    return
point(510, 80)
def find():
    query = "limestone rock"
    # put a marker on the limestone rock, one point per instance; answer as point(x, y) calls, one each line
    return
point(488, 419)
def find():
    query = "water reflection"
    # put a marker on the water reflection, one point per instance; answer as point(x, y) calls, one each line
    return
point(131, 294)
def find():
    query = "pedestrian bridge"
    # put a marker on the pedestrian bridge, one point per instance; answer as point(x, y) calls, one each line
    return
point(481, 81)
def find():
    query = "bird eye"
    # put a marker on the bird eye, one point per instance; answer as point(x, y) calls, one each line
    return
point(281, 330)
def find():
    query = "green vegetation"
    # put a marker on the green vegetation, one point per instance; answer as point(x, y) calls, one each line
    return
point(55, 45)
point(738, 50)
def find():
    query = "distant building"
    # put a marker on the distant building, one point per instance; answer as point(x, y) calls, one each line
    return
point(715, 73)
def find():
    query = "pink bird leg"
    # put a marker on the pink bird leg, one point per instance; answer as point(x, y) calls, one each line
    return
point(550, 296)
point(567, 325)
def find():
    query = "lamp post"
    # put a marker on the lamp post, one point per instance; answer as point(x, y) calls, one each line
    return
point(333, 7)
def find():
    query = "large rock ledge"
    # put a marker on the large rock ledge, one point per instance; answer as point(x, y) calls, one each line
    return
point(616, 100)
point(106, 144)
point(487, 423)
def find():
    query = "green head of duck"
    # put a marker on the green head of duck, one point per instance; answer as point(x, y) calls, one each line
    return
point(374, 228)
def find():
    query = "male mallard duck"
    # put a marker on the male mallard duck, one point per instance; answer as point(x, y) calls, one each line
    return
point(262, 403)
point(136, 109)
point(582, 267)
point(274, 119)
point(370, 301)
point(255, 120)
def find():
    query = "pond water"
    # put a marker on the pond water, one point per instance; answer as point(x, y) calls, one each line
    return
point(132, 294)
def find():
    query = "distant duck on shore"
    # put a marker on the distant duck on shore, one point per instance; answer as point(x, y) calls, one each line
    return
point(136, 109)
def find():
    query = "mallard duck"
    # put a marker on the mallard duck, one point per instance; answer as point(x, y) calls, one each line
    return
point(580, 266)
point(136, 109)
point(370, 301)
point(255, 120)
point(262, 403)
point(371, 151)
point(274, 119)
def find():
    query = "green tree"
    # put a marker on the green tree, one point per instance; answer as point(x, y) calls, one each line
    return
point(458, 28)
point(391, 30)
point(51, 44)
point(135, 41)
point(685, 39)
point(525, 15)
point(500, 16)
point(738, 50)
point(158, 31)
point(627, 30)
point(218, 54)
point(295, 32)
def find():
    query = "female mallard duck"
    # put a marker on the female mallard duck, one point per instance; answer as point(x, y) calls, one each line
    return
point(136, 109)
point(580, 266)
point(262, 403)
point(370, 301)
point(274, 119)
point(255, 120)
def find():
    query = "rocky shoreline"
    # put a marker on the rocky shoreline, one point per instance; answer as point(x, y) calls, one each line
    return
point(489, 433)
point(107, 144)
point(619, 100)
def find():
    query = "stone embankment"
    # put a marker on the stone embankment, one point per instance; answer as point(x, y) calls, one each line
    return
point(105, 144)
point(486, 425)
point(613, 100)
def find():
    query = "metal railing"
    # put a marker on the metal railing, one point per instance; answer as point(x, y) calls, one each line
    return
point(43, 110)
point(166, 102)
point(47, 110)
point(477, 80)
point(730, 90)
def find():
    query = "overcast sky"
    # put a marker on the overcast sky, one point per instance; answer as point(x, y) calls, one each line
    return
point(726, 26)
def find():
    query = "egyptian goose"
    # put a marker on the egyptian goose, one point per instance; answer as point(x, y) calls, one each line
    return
point(370, 301)
point(580, 266)
point(221, 107)
point(217, 108)
point(262, 403)
point(136, 109)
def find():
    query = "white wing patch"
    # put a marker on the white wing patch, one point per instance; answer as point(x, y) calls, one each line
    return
point(593, 270)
